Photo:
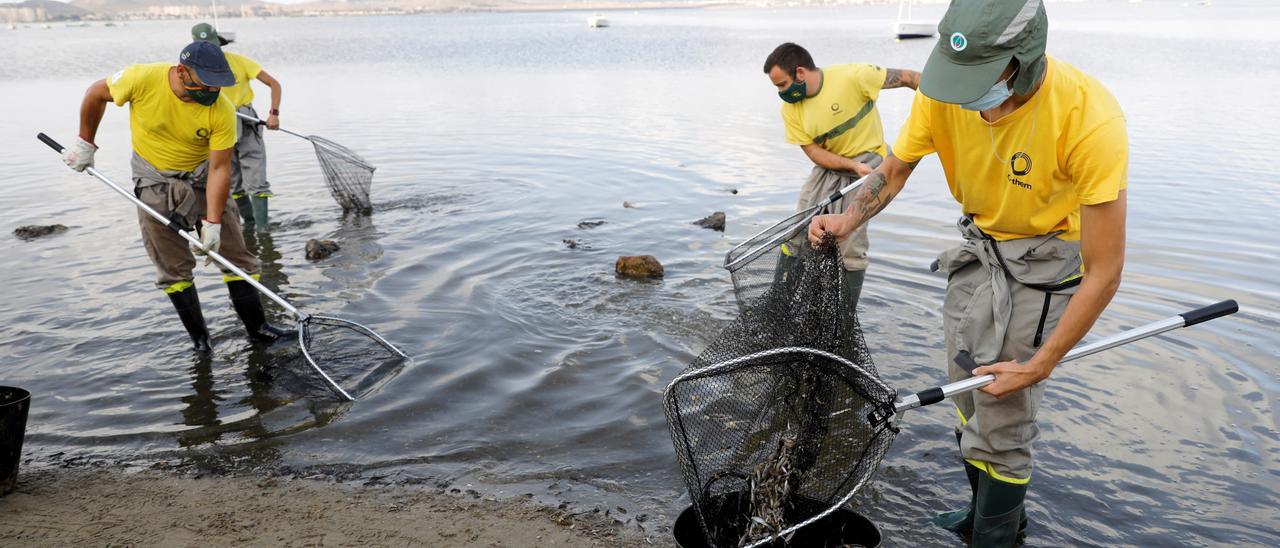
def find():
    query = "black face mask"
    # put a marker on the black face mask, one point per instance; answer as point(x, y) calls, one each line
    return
point(200, 94)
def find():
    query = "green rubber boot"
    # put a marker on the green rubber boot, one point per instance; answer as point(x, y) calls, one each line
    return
point(1000, 513)
point(853, 280)
point(961, 521)
point(260, 215)
point(246, 210)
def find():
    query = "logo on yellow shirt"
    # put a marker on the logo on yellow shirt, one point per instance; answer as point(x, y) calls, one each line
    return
point(1026, 164)
point(1023, 160)
point(202, 134)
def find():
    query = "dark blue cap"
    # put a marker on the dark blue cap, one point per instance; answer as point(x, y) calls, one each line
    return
point(209, 63)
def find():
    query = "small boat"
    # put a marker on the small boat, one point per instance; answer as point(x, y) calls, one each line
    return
point(907, 28)
point(597, 21)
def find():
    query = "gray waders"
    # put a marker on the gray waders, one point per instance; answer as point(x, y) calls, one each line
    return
point(1004, 299)
point(249, 186)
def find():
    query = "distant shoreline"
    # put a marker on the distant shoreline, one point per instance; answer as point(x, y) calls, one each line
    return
point(392, 7)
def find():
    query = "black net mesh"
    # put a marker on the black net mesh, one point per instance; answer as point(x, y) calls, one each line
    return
point(348, 176)
point(783, 416)
point(756, 263)
point(354, 358)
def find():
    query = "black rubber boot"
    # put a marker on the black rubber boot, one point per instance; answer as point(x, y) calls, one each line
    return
point(961, 521)
point(245, 205)
point(187, 303)
point(248, 305)
point(1000, 513)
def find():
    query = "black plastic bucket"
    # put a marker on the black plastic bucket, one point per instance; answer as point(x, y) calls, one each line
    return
point(843, 527)
point(14, 404)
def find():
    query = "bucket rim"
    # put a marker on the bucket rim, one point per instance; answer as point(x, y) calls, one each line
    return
point(22, 395)
point(691, 513)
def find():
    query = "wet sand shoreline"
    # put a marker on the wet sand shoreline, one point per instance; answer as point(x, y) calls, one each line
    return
point(73, 506)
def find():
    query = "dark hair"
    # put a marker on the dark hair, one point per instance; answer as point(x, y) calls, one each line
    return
point(788, 57)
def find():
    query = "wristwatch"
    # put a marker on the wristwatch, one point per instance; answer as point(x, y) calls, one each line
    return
point(275, 112)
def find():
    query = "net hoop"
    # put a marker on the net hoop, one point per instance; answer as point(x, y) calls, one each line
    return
point(304, 341)
point(725, 366)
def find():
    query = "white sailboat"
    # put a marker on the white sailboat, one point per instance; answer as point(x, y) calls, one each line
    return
point(910, 28)
point(597, 21)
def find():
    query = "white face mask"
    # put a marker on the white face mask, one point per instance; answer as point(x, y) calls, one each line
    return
point(998, 93)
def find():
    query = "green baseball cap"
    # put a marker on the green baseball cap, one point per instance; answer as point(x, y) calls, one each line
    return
point(976, 40)
point(207, 33)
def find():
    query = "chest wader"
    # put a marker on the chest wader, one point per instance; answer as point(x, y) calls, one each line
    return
point(998, 273)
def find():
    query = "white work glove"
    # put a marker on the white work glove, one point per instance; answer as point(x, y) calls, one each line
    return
point(79, 155)
point(210, 239)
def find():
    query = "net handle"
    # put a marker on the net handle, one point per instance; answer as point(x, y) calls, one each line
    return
point(262, 123)
point(812, 212)
point(965, 361)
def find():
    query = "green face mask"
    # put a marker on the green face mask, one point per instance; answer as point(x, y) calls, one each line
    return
point(795, 93)
point(200, 94)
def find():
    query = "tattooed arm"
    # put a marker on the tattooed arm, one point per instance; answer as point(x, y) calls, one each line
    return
point(869, 199)
point(896, 78)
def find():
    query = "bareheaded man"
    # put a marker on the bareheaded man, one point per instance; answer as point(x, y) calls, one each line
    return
point(1036, 153)
point(831, 114)
point(249, 186)
point(182, 136)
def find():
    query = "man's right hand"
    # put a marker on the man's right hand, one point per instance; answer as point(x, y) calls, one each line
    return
point(79, 155)
point(839, 224)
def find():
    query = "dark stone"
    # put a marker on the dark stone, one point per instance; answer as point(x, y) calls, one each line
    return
point(321, 249)
point(642, 266)
point(573, 244)
point(590, 224)
point(733, 191)
point(715, 221)
point(628, 205)
point(31, 232)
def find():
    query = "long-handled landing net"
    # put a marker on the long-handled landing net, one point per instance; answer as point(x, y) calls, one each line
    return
point(772, 434)
point(348, 176)
point(362, 358)
point(756, 263)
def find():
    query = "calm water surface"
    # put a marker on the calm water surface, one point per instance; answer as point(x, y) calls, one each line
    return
point(537, 371)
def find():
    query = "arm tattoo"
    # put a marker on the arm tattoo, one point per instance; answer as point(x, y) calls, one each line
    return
point(896, 78)
point(870, 202)
point(892, 79)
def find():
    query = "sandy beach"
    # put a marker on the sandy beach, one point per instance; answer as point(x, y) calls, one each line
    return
point(65, 507)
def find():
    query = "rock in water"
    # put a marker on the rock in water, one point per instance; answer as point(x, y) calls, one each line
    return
point(590, 224)
point(715, 221)
point(31, 232)
point(641, 266)
point(321, 249)
point(628, 205)
point(573, 244)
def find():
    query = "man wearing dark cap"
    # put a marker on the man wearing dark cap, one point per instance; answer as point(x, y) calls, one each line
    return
point(249, 186)
point(182, 136)
point(1036, 153)
point(831, 114)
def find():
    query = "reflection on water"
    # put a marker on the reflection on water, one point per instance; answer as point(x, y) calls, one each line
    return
point(535, 368)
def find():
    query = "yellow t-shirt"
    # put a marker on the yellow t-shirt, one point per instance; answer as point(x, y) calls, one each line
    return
point(1028, 173)
point(842, 117)
point(245, 70)
point(167, 131)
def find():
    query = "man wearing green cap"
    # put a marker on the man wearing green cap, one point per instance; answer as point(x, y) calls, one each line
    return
point(831, 114)
point(1036, 153)
point(182, 136)
point(249, 186)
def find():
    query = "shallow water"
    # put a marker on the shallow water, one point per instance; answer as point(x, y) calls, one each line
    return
point(536, 370)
